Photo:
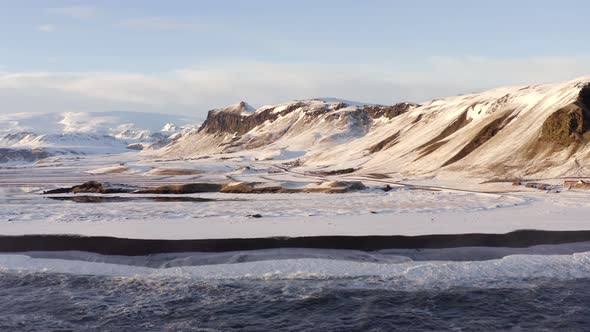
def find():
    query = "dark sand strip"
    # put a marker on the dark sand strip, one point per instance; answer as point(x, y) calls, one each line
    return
point(119, 199)
point(135, 247)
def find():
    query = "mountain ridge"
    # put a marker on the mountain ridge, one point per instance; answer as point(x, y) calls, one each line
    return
point(506, 132)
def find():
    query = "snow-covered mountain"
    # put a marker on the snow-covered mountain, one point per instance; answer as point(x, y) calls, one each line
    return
point(90, 122)
point(509, 132)
point(307, 125)
point(84, 133)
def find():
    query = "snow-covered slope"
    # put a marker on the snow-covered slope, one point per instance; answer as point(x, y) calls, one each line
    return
point(84, 133)
point(510, 132)
point(305, 126)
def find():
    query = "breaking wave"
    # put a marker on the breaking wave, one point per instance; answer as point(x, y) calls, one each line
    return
point(294, 290)
point(392, 271)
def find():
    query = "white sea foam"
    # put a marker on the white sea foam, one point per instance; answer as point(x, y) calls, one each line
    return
point(513, 270)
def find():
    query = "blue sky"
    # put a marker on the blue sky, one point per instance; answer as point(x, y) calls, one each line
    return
point(189, 56)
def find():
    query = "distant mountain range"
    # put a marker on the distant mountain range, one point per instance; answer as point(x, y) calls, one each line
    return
point(26, 137)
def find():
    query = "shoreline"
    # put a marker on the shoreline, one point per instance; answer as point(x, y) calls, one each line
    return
point(138, 247)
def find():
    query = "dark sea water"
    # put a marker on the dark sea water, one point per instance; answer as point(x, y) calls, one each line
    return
point(299, 290)
point(44, 301)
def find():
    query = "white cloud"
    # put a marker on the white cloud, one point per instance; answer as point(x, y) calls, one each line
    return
point(78, 12)
point(197, 89)
point(488, 72)
point(156, 24)
point(46, 28)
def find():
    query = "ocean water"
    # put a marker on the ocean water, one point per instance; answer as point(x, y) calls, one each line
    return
point(517, 292)
point(63, 302)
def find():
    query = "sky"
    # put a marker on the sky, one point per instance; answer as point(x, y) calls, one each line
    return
point(187, 57)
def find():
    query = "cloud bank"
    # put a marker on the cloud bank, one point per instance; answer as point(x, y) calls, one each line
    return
point(195, 90)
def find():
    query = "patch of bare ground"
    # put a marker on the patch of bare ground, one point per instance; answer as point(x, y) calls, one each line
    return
point(339, 171)
point(89, 187)
point(386, 143)
point(418, 118)
point(190, 188)
point(335, 187)
point(430, 149)
point(174, 171)
point(390, 112)
point(485, 134)
point(438, 141)
point(378, 176)
point(194, 188)
point(254, 188)
point(422, 189)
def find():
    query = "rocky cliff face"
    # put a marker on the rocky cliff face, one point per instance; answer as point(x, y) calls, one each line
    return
point(570, 124)
point(238, 127)
point(236, 119)
point(390, 112)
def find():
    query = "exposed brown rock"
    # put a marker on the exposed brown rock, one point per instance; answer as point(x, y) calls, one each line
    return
point(484, 135)
point(433, 144)
point(339, 106)
point(190, 188)
point(339, 171)
point(418, 118)
point(378, 176)
point(426, 150)
point(174, 171)
point(335, 187)
point(390, 112)
point(233, 121)
point(351, 185)
point(223, 121)
point(253, 188)
point(97, 187)
point(566, 126)
point(386, 143)
point(89, 187)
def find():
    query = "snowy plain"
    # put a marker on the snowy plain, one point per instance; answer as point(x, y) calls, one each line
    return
point(412, 207)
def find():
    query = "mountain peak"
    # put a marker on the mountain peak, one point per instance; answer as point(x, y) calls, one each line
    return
point(242, 108)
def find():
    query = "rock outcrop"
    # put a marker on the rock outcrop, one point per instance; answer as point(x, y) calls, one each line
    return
point(22, 155)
